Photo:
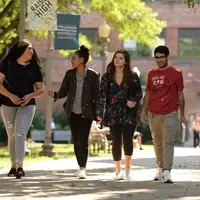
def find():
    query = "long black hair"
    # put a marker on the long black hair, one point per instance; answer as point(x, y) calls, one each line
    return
point(128, 74)
point(17, 50)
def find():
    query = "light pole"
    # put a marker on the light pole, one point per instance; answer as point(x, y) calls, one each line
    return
point(104, 33)
point(47, 147)
point(21, 36)
point(22, 19)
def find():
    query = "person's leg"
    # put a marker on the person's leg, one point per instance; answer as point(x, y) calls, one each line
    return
point(155, 125)
point(197, 144)
point(23, 121)
point(170, 129)
point(74, 123)
point(128, 131)
point(85, 125)
point(195, 139)
point(116, 132)
point(8, 116)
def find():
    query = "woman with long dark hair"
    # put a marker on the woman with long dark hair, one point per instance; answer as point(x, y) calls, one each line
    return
point(81, 86)
point(20, 83)
point(120, 94)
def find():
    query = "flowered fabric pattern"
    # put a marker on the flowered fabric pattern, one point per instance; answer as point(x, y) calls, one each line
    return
point(112, 100)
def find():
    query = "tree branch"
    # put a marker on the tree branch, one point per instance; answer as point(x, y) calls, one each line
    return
point(7, 8)
point(13, 25)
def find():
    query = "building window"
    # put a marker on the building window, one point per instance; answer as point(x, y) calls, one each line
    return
point(189, 42)
point(138, 50)
point(96, 50)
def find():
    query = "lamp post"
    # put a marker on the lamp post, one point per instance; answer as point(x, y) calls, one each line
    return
point(21, 36)
point(47, 147)
point(104, 33)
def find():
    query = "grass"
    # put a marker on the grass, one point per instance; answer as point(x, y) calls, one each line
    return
point(62, 151)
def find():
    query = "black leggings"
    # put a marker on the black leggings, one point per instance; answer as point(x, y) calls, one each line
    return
point(118, 131)
point(80, 128)
point(196, 138)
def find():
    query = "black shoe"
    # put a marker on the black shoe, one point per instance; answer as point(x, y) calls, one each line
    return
point(19, 173)
point(12, 172)
point(141, 148)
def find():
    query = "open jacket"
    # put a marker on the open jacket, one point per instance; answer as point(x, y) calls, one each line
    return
point(112, 100)
point(89, 93)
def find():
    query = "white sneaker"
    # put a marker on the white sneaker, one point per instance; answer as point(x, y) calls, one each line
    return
point(120, 175)
point(76, 174)
point(158, 175)
point(82, 174)
point(128, 174)
point(167, 177)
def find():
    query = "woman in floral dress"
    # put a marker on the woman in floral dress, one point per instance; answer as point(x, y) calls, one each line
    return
point(119, 97)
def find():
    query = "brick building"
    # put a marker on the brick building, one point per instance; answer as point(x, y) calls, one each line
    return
point(182, 36)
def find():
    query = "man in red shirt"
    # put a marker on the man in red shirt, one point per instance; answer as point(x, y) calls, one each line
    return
point(164, 95)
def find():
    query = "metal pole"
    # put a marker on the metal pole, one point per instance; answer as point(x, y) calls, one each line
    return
point(48, 145)
point(21, 36)
point(22, 19)
point(104, 56)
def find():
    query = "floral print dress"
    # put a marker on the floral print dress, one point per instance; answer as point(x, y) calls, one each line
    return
point(112, 100)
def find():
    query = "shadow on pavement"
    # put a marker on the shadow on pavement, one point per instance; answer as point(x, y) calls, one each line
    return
point(46, 184)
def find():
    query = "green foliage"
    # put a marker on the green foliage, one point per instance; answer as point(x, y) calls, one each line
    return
point(191, 3)
point(38, 121)
point(9, 22)
point(133, 19)
point(60, 120)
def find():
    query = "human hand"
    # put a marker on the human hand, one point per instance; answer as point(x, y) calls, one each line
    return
point(183, 120)
point(99, 120)
point(15, 99)
point(51, 93)
point(131, 104)
point(26, 99)
point(143, 116)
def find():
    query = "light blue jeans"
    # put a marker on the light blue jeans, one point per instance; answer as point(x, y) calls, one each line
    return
point(17, 121)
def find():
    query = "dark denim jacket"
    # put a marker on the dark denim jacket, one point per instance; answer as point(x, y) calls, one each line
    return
point(114, 99)
point(89, 93)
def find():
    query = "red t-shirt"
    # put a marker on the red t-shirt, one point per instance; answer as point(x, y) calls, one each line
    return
point(163, 86)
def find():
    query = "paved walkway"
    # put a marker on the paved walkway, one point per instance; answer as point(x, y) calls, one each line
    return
point(53, 180)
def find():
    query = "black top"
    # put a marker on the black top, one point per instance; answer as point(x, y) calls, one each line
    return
point(21, 80)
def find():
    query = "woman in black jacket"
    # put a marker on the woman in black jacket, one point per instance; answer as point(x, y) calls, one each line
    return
point(80, 85)
point(120, 94)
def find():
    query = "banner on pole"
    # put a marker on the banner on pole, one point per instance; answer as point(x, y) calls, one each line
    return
point(42, 15)
point(67, 34)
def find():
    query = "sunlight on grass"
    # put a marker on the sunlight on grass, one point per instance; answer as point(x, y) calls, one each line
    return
point(62, 151)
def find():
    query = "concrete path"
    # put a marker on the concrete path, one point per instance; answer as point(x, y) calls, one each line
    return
point(53, 180)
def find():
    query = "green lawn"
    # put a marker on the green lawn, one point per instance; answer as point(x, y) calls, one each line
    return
point(62, 151)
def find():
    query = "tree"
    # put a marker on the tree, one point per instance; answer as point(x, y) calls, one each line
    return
point(9, 22)
point(131, 18)
point(191, 3)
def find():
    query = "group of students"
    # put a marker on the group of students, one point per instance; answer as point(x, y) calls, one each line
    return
point(112, 102)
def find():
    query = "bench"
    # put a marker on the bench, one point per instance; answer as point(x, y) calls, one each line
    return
point(98, 141)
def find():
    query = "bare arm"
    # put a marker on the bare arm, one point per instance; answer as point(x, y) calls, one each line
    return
point(39, 90)
point(15, 99)
point(181, 100)
point(145, 101)
point(145, 106)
